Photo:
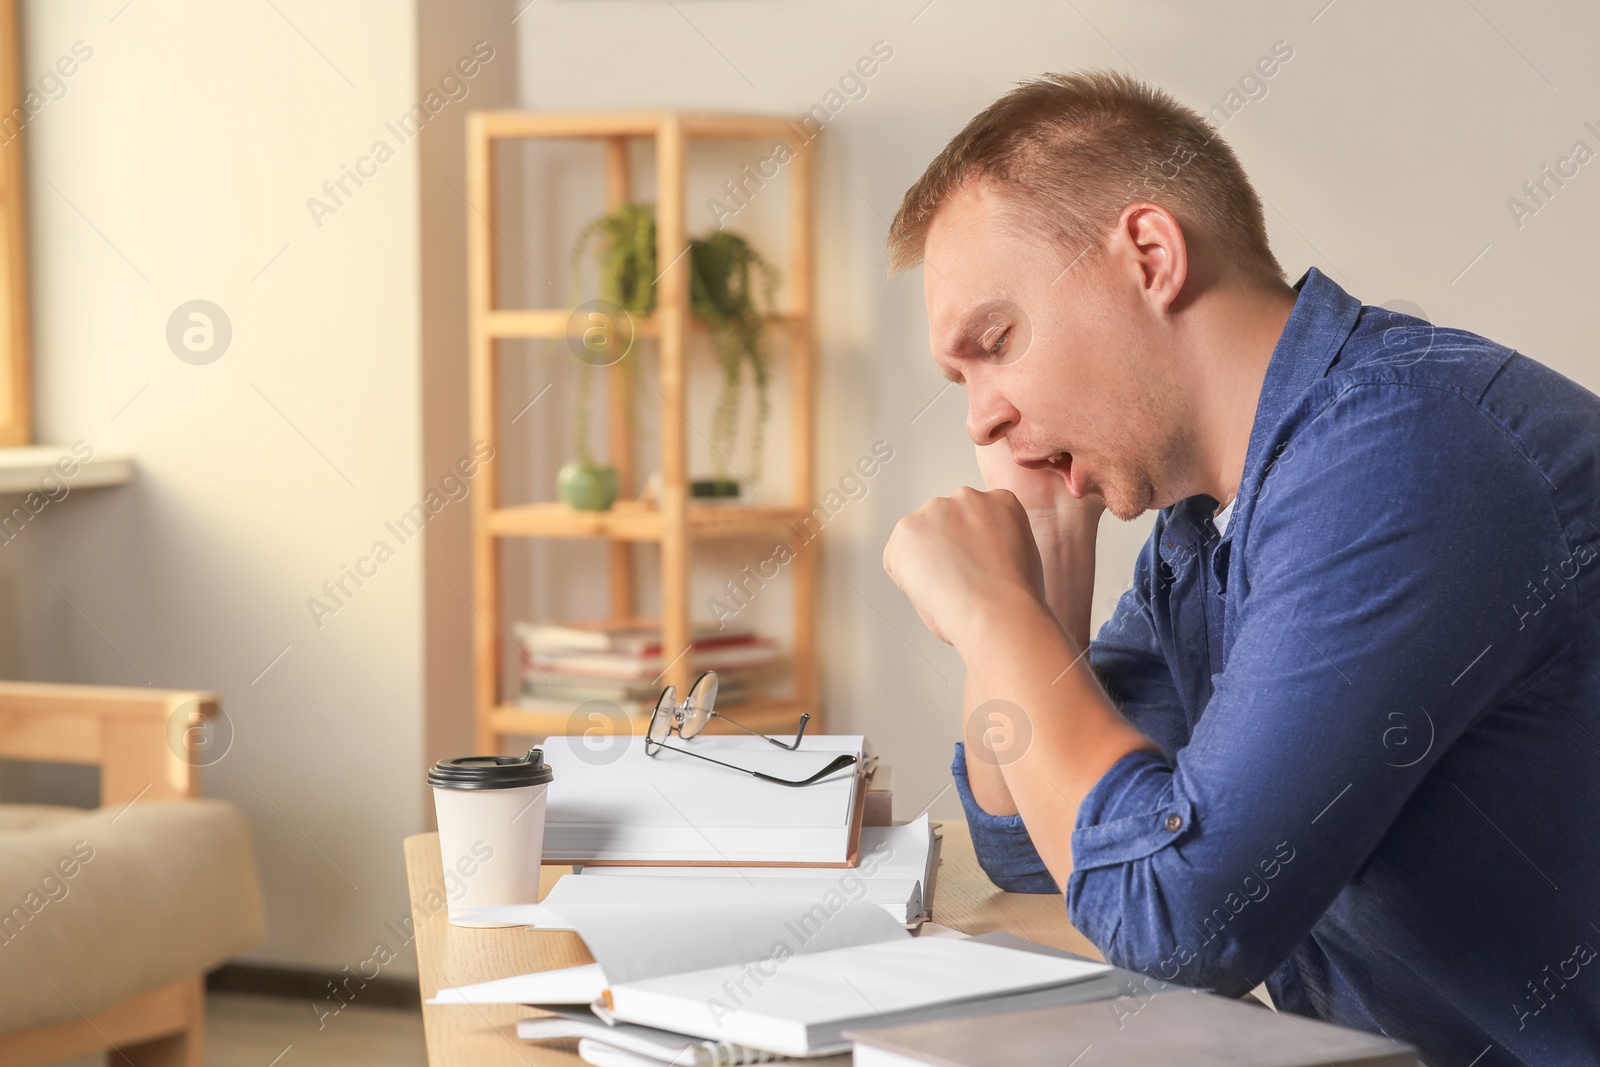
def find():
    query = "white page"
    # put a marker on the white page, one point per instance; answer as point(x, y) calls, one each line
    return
point(568, 985)
point(655, 940)
point(836, 987)
point(619, 803)
point(643, 939)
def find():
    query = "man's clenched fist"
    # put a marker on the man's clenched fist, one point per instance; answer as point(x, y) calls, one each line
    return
point(958, 556)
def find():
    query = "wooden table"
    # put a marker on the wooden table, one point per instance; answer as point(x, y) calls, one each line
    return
point(485, 1035)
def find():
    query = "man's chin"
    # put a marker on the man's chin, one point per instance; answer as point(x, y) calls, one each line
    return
point(1125, 506)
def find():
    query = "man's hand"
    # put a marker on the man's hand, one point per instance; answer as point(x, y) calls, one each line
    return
point(1051, 509)
point(957, 554)
point(1064, 527)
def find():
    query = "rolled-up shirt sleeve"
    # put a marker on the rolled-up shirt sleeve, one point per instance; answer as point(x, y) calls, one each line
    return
point(1210, 870)
point(1004, 849)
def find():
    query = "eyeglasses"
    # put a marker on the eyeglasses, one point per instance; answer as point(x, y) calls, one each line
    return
point(692, 716)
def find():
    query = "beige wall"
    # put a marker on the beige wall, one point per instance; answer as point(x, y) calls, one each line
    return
point(1386, 148)
point(178, 165)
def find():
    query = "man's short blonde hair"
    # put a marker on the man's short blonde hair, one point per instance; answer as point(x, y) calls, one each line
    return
point(1067, 152)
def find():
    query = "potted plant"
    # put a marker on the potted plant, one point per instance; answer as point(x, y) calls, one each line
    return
point(729, 285)
point(624, 246)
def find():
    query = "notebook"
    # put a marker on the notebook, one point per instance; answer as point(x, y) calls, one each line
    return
point(611, 803)
point(1178, 1028)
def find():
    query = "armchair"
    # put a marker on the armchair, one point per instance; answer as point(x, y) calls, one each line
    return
point(109, 918)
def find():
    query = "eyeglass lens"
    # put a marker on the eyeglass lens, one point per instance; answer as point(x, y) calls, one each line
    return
point(697, 709)
point(661, 720)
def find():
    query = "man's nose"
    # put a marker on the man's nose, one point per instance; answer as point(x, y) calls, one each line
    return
point(989, 415)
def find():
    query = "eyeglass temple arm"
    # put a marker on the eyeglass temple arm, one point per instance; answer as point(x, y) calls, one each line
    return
point(791, 746)
point(838, 763)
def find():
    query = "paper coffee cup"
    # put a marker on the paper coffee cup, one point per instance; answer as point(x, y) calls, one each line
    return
point(491, 830)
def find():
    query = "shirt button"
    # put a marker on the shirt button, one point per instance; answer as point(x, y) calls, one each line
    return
point(1174, 823)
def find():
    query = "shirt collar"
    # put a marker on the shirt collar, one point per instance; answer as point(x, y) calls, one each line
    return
point(1322, 319)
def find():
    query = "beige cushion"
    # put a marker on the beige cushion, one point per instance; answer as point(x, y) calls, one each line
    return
point(96, 906)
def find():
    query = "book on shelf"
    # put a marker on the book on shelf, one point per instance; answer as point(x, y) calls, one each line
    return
point(636, 636)
point(751, 654)
point(633, 700)
point(630, 652)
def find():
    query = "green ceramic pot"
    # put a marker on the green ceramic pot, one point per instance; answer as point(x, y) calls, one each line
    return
point(587, 486)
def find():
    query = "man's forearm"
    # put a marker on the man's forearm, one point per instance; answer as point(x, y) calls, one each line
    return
point(1068, 559)
point(1069, 589)
point(1019, 653)
point(983, 771)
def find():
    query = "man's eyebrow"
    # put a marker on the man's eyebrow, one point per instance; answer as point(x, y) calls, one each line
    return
point(963, 337)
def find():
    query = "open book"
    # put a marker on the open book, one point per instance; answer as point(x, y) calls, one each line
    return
point(612, 803)
point(768, 975)
point(808, 1001)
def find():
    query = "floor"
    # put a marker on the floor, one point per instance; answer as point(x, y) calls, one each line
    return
point(247, 1031)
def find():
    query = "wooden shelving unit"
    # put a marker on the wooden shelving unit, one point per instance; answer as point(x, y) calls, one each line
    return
point(672, 522)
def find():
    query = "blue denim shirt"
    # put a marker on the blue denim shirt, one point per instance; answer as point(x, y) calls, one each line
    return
point(1377, 698)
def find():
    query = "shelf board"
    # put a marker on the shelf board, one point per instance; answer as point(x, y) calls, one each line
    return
point(516, 124)
point(23, 466)
point(629, 520)
point(778, 717)
point(510, 324)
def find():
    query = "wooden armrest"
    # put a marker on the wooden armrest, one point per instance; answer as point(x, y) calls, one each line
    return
point(149, 742)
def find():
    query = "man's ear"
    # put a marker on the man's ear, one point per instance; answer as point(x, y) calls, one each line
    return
point(1153, 245)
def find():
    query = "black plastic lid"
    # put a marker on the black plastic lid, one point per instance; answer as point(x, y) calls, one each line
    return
point(491, 772)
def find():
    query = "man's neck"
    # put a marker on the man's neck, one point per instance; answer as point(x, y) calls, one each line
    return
point(1237, 328)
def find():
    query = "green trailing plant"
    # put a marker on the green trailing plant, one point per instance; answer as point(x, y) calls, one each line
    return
point(729, 285)
point(725, 271)
point(624, 243)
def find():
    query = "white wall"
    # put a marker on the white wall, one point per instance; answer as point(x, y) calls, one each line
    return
point(178, 165)
point(1386, 149)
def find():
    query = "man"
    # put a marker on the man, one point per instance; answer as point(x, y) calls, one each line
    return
point(1341, 735)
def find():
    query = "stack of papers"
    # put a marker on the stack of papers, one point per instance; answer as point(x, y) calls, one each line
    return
point(610, 802)
point(896, 872)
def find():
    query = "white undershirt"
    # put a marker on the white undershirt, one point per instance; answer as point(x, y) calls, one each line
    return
point(1223, 516)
